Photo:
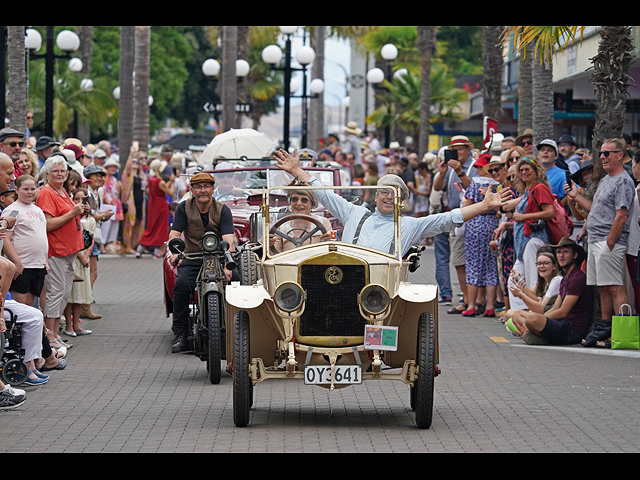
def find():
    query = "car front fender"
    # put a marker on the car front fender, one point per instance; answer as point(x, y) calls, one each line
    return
point(417, 293)
point(246, 297)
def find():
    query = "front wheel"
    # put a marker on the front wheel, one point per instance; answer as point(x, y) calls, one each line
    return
point(422, 392)
point(214, 361)
point(242, 385)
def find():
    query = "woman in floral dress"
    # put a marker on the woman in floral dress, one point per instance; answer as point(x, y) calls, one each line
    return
point(482, 263)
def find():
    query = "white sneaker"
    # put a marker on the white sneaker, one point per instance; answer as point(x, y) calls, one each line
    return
point(14, 391)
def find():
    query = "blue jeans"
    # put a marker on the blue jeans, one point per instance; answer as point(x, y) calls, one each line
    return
point(443, 269)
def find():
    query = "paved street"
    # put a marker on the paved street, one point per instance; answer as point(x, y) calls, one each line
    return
point(123, 392)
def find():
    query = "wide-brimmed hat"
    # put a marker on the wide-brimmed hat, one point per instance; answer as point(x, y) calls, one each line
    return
point(112, 162)
point(528, 133)
point(45, 142)
point(461, 140)
point(567, 242)
point(566, 138)
point(494, 162)
point(586, 165)
point(352, 127)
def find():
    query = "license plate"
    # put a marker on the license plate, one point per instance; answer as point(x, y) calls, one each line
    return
point(321, 375)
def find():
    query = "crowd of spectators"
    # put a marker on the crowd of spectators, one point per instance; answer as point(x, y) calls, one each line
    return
point(512, 265)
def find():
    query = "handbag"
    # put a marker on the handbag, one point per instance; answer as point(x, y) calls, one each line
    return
point(625, 330)
point(87, 238)
point(558, 227)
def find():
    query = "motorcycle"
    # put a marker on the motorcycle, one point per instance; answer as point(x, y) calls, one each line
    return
point(207, 319)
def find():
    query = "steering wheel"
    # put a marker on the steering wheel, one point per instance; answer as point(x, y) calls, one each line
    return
point(298, 242)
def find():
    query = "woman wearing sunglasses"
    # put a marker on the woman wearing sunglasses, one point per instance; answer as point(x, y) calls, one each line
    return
point(301, 203)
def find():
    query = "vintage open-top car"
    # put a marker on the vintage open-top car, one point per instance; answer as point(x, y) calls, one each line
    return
point(329, 313)
point(249, 178)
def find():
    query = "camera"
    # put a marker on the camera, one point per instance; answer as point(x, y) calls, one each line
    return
point(450, 155)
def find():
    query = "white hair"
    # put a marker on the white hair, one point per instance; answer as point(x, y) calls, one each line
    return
point(53, 161)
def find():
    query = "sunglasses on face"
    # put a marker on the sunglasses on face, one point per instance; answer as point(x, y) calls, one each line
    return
point(527, 143)
point(606, 154)
point(15, 144)
point(304, 200)
point(495, 170)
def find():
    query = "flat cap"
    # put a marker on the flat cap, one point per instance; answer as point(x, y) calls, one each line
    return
point(395, 181)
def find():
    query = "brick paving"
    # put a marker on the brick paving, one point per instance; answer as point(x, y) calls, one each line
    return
point(124, 393)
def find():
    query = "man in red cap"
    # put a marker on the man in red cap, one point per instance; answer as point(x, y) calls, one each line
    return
point(193, 218)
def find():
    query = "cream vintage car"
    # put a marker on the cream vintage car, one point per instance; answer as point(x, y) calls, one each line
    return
point(331, 315)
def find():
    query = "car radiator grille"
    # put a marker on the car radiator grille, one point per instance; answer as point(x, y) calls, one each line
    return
point(332, 309)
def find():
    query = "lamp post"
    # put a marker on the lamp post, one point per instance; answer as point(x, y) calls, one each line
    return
point(377, 76)
point(212, 68)
point(68, 42)
point(272, 55)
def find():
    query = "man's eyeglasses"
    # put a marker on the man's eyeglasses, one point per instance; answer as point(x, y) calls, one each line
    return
point(495, 170)
point(385, 193)
point(200, 188)
point(15, 144)
point(527, 143)
point(606, 154)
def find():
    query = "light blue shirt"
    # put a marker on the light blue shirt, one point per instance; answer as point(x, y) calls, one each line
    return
point(378, 232)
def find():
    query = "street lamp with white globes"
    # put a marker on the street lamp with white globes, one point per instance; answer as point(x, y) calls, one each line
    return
point(377, 76)
point(212, 68)
point(68, 42)
point(272, 55)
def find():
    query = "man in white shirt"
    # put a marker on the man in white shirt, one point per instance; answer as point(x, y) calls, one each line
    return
point(377, 230)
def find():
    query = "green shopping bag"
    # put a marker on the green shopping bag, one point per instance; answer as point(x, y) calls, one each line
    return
point(625, 333)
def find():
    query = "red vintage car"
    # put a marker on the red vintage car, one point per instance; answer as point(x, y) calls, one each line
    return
point(244, 184)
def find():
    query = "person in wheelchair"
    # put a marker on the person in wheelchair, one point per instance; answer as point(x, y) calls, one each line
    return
point(301, 202)
point(193, 218)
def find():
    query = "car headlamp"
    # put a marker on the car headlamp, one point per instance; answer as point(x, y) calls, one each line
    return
point(375, 300)
point(210, 242)
point(289, 297)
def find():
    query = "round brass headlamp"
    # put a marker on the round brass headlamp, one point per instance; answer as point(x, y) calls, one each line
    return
point(289, 297)
point(375, 299)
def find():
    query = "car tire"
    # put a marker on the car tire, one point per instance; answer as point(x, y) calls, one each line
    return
point(242, 384)
point(214, 361)
point(422, 393)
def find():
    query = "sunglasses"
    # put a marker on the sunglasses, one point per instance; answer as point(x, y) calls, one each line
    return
point(606, 154)
point(304, 200)
point(495, 170)
point(15, 144)
point(527, 143)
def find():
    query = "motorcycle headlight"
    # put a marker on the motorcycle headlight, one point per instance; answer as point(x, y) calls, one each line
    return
point(375, 300)
point(289, 297)
point(210, 243)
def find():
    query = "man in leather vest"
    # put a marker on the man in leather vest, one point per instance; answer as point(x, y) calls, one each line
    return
point(193, 218)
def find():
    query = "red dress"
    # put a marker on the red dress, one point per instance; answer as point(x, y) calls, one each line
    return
point(157, 231)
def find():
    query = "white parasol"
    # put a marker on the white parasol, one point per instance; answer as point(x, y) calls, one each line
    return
point(235, 144)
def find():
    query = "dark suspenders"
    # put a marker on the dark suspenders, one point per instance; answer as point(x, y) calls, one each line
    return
point(356, 238)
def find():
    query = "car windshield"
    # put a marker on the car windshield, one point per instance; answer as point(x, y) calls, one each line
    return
point(241, 183)
point(300, 217)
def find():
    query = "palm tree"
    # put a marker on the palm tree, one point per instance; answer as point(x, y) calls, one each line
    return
point(493, 68)
point(427, 45)
point(17, 111)
point(142, 86)
point(610, 78)
point(229, 80)
point(127, 42)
